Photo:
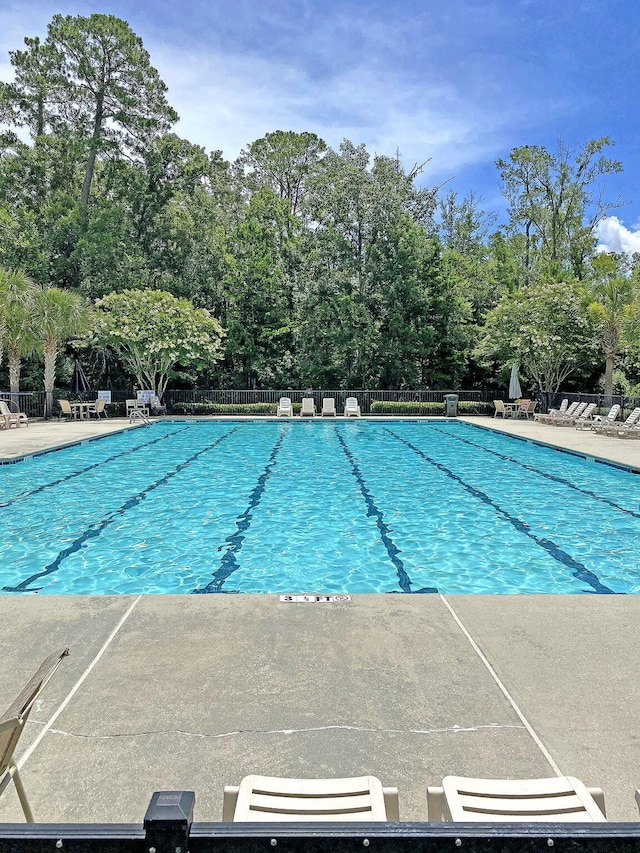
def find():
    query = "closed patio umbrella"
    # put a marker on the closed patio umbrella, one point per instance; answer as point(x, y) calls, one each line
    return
point(79, 382)
point(515, 391)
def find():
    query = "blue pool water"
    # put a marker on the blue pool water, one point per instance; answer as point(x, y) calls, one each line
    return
point(317, 506)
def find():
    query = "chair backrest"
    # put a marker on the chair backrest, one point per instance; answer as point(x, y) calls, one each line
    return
point(572, 409)
point(285, 402)
point(578, 410)
point(4, 408)
point(633, 417)
point(524, 405)
point(613, 413)
point(532, 406)
point(100, 404)
point(589, 410)
point(308, 406)
point(65, 407)
point(13, 720)
point(268, 798)
point(328, 405)
point(351, 403)
point(564, 405)
point(499, 405)
point(562, 798)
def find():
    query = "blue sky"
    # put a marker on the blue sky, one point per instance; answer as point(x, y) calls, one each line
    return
point(459, 83)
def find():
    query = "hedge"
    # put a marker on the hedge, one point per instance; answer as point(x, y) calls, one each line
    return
point(465, 407)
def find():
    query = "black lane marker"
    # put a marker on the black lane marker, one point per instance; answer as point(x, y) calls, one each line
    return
point(234, 542)
point(534, 470)
point(579, 571)
point(373, 512)
point(82, 471)
point(94, 530)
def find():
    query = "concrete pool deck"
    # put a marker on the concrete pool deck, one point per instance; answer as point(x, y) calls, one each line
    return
point(194, 692)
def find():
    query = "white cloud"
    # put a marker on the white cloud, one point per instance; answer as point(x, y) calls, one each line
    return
point(613, 236)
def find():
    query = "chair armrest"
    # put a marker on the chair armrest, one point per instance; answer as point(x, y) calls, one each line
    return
point(435, 803)
point(229, 801)
point(598, 796)
point(391, 803)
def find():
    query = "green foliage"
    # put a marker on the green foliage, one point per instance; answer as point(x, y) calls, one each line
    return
point(225, 408)
point(152, 332)
point(406, 407)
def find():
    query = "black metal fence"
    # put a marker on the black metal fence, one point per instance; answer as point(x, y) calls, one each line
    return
point(370, 402)
point(168, 827)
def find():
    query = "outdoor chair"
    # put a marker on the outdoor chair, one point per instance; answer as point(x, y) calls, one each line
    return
point(98, 409)
point(12, 725)
point(499, 408)
point(611, 416)
point(156, 406)
point(570, 417)
point(65, 410)
point(585, 417)
point(351, 407)
point(268, 798)
point(308, 408)
point(613, 428)
point(561, 798)
point(12, 418)
point(328, 407)
point(552, 414)
point(527, 408)
point(285, 408)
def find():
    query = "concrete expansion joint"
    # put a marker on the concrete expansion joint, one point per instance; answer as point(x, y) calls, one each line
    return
point(455, 729)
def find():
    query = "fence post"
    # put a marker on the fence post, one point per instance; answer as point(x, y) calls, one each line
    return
point(168, 820)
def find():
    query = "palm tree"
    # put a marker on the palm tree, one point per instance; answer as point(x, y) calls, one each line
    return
point(614, 303)
point(59, 315)
point(17, 299)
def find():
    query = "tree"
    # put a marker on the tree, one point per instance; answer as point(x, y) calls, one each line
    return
point(283, 161)
point(552, 200)
point(91, 78)
point(152, 333)
point(544, 328)
point(59, 316)
point(614, 301)
point(17, 302)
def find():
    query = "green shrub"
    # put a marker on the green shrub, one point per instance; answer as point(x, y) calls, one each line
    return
point(386, 407)
point(224, 408)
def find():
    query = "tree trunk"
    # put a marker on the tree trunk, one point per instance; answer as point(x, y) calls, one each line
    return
point(91, 162)
point(15, 363)
point(50, 358)
point(608, 373)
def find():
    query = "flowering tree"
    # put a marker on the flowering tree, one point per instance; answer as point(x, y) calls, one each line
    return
point(543, 327)
point(152, 332)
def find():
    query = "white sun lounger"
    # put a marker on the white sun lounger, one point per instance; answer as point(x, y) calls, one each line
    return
point(561, 798)
point(285, 408)
point(269, 798)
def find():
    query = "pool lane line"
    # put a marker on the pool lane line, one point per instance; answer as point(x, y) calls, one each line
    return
point(228, 562)
point(96, 529)
point(579, 571)
point(554, 477)
point(82, 471)
point(374, 512)
point(28, 752)
point(502, 688)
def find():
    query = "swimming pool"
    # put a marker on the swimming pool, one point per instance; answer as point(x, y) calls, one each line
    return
point(317, 506)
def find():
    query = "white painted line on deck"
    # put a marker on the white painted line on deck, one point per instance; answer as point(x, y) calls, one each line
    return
point(25, 757)
point(503, 689)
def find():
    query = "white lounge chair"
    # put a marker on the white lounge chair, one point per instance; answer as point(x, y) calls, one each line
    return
point(12, 418)
point(569, 418)
point(328, 407)
point(552, 414)
point(610, 418)
point(285, 408)
point(12, 725)
point(351, 408)
point(613, 428)
point(586, 418)
point(307, 408)
point(268, 798)
point(561, 798)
